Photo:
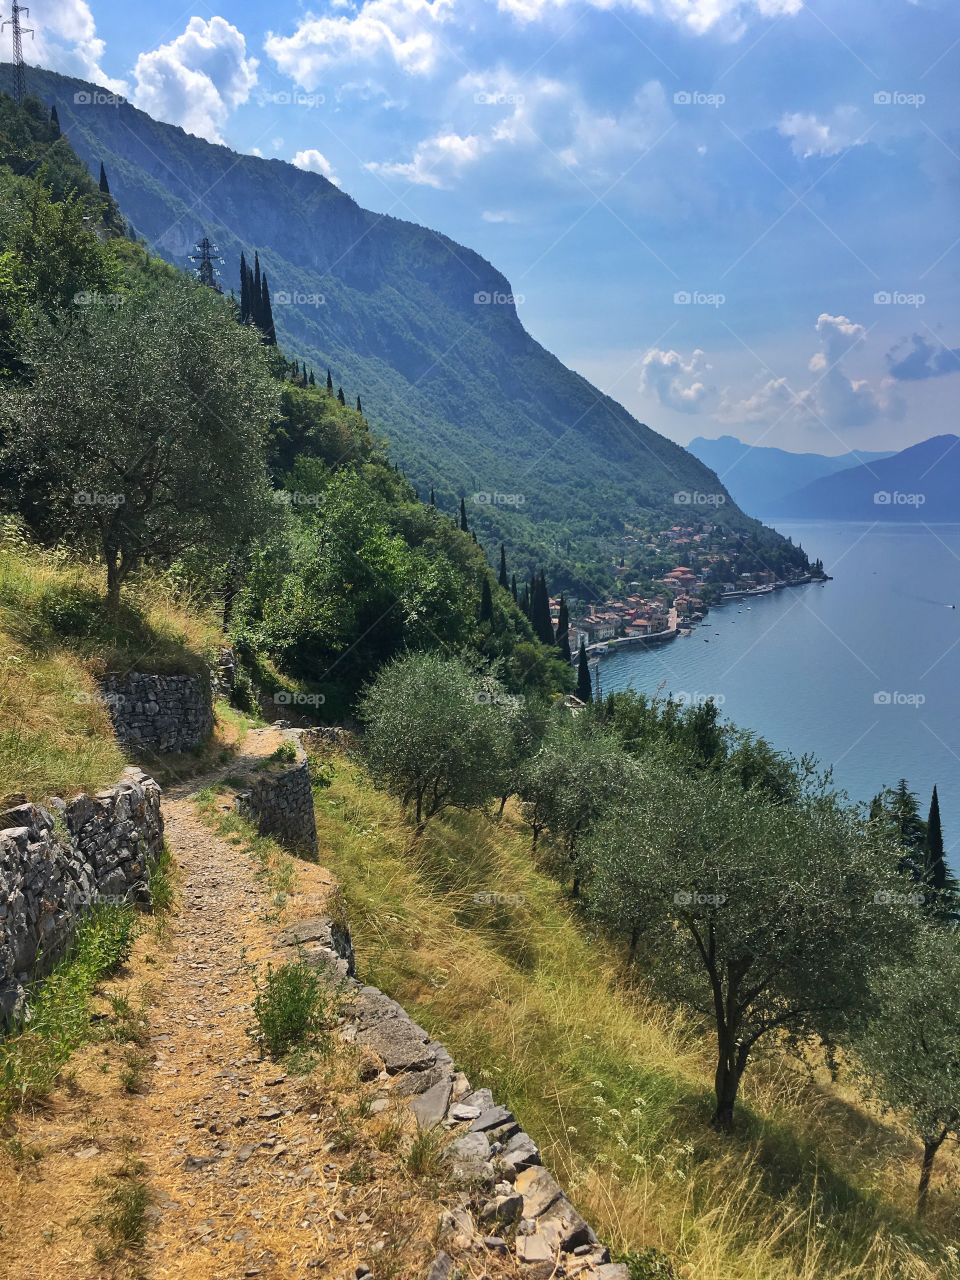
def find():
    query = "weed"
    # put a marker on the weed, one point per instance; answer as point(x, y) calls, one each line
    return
point(423, 1158)
point(160, 885)
point(292, 1007)
point(124, 1212)
point(133, 1070)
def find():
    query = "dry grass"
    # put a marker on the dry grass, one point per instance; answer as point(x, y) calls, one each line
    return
point(56, 639)
point(486, 952)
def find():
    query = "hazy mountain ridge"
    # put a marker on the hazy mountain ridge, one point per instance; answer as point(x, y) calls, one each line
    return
point(921, 483)
point(470, 402)
point(760, 477)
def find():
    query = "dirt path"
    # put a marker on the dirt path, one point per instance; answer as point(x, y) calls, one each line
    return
point(246, 1169)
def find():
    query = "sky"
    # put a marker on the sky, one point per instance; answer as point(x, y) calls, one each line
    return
point(734, 216)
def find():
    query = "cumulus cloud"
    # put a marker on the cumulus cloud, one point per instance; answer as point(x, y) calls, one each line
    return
point(197, 79)
point(810, 135)
point(498, 215)
point(922, 359)
point(677, 383)
point(65, 39)
point(402, 32)
point(314, 162)
point(436, 161)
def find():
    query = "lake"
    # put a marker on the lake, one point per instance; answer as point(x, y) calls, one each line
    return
point(863, 671)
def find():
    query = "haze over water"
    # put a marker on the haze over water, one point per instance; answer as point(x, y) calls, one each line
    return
point(863, 672)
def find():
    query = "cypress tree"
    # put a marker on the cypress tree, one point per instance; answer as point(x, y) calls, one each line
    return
point(359, 405)
point(935, 872)
point(329, 382)
point(312, 380)
point(340, 396)
point(256, 293)
point(463, 516)
point(486, 602)
point(540, 611)
point(244, 289)
point(104, 184)
point(503, 580)
point(513, 587)
point(584, 683)
point(563, 631)
point(433, 499)
point(55, 121)
point(266, 311)
point(525, 601)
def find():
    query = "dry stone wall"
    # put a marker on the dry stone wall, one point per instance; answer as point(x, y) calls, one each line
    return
point(509, 1203)
point(279, 802)
point(160, 713)
point(59, 859)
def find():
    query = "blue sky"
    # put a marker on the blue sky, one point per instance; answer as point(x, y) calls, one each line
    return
point(734, 215)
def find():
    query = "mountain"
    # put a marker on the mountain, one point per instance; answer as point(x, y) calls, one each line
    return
point(423, 329)
point(920, 484)
point(759, 478)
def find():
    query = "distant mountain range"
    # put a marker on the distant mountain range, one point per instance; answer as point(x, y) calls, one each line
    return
point(423, 329)
point(921, 483)
point(763, 480)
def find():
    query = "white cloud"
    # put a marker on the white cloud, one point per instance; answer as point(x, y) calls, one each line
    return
point(314, 162)
point(436, 161)
point(677, 383)
point(398, 31)
point(697, 16)
point(498, 215)
point(65, 39)
point(197, 79)
point(811, 136)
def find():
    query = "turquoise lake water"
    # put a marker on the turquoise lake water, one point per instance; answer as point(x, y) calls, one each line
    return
point(863, 672)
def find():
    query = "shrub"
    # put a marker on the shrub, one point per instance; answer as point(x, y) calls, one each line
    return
point(291, 1006)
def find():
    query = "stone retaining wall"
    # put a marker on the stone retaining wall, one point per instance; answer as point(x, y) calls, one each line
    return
point(279, 802)
point(161, 713)
point(58, 860)
point(509, 1203)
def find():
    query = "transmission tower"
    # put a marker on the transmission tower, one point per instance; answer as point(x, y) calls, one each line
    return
point(207, 259)
point(19, 71)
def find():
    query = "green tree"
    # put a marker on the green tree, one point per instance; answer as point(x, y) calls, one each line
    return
point(584, 680)
point(503, 580)
point(266, 313)
point(766, 918)
point(463, 516)
point(104, 184)
point(486, 603)
point(340, 396)
point(141, 433)
point(910, 1052)
point(935, 872)
point(434, 734)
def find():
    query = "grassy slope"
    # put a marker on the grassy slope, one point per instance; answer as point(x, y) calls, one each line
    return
point(55, 639)
point(612, 1085)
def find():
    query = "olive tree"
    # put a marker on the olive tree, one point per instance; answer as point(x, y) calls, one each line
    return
point(765, 918)
point(576, 778)
point(434, 733)
point(139, 432)
point(910, 1052)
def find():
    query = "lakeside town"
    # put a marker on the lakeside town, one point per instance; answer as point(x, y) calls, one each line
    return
point(652, 609)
